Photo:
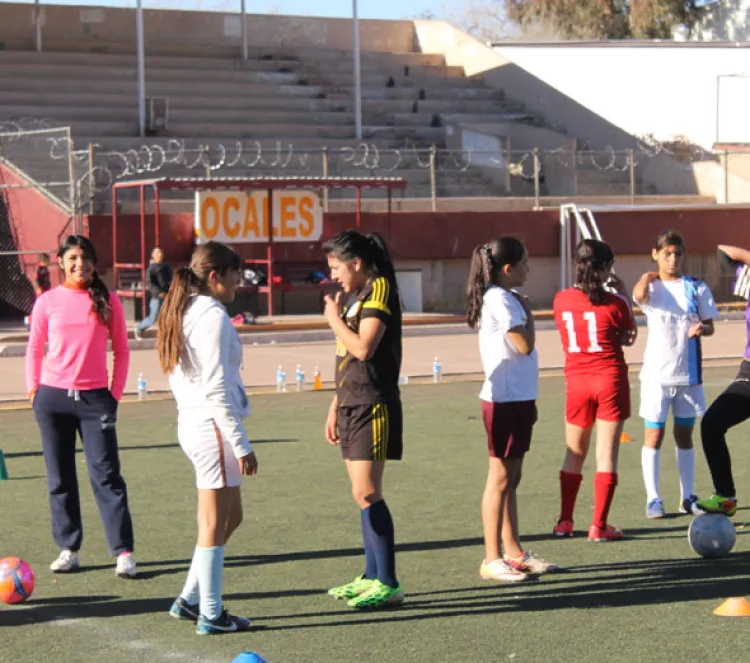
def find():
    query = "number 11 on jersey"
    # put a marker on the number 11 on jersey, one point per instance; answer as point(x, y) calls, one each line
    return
point(590, 318)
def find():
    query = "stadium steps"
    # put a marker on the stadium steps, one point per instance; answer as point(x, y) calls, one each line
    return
point(121, 99)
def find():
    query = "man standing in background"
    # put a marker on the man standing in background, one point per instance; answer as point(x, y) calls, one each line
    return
point(158, 280)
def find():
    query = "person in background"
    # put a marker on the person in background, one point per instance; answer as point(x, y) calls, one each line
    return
point(43, 282)
point(158, 280)
point(70, 392)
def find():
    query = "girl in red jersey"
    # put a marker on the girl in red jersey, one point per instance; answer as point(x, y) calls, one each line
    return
point(594, 325)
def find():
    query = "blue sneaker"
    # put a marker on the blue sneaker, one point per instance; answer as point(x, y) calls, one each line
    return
point(181, 609)
point(655, 508)
point(690, 505)
point(224, 623)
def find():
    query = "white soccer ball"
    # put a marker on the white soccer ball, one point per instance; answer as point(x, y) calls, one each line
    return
point(711, 535)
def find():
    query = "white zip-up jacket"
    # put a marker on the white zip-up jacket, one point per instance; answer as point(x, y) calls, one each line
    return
point(209, 384)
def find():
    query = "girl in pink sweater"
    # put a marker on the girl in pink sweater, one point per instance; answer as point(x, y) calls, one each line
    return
point(69, 390)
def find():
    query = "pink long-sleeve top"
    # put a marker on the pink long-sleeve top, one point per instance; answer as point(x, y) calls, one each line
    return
point(77, 343)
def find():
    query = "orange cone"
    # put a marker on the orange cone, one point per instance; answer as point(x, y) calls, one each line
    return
point(625, 438)
point(737, 606)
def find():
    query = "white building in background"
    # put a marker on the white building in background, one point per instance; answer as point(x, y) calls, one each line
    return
point(670, 90)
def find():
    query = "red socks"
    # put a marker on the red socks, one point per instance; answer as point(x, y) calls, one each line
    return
point(569, 485)
point(604, 490)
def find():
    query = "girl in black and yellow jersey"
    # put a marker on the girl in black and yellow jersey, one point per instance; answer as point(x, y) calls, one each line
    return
point(365, 418)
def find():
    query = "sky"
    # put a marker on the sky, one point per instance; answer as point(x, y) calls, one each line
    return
point(384, 9)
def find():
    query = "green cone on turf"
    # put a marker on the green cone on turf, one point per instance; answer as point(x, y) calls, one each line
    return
point(3, 469)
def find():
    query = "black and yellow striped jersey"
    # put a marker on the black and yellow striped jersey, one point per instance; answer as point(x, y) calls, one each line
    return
point(375, 380)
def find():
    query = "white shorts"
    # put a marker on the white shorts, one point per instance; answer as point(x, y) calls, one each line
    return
point(687, 402)
point(211, 455)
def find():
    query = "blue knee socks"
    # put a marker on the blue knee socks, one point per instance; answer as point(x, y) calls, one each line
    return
point(377, 521)
point(371, 564)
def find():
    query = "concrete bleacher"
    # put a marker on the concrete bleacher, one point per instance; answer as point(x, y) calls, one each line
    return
point(289, 100)
point(277, 99)
point(310, 96)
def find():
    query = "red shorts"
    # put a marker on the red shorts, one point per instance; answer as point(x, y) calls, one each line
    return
point(591, 397)
point(509, 427)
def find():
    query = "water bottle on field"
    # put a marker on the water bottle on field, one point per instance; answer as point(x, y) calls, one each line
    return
point(299, 378)
point(280, 380)
point(437, 370)
point(141, 388)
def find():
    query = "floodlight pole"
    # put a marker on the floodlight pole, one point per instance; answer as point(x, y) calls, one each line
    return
point(244, 31)
point(141, 69)
point(357, 75)
point(38, 25)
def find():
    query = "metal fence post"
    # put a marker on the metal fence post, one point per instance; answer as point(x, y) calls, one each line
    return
point(72, 181)
point(433, 179)
point(325, 174)
point(726, 177)
point(92, 186)
point(207, 154)
point(536, 179)
point(631, 166)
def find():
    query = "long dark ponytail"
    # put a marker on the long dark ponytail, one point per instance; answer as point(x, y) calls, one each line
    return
point(592, 259)
point(370, 249)
point(486, 262)
point(98, 291)
point(207, 258)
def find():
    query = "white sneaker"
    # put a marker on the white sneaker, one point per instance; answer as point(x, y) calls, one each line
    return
point(66, 562)
point(501, 571)
point(137, 335)
point(528, 562)
point(126, 566)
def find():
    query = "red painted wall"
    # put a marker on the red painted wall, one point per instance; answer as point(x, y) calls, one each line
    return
point(428, 235)
point(38, 224)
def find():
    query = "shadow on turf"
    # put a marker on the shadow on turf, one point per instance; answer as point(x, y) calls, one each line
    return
point(141, 447)
point(173, 566)
point(105, 606)
point(658, 582)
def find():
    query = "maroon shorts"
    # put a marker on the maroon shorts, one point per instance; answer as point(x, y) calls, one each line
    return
point(591, 397)
point(509, 427)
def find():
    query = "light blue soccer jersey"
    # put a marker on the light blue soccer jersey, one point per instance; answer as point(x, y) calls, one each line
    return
point(671, 358)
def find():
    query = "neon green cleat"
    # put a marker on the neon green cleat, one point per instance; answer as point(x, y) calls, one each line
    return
point(378, 596)
point(351, 590)
point(718, 504)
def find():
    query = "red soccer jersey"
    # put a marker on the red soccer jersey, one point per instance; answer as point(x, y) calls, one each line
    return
point(591, 334)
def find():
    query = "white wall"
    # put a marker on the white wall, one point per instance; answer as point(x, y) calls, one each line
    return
point(666, 89)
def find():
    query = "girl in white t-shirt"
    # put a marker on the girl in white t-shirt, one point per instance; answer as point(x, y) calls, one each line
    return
point(511, 368)
point(679, 310)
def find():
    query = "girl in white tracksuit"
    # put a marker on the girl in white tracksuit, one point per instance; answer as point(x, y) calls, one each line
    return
point(201, 353)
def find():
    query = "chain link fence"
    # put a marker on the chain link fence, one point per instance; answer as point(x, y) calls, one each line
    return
point(37, 181)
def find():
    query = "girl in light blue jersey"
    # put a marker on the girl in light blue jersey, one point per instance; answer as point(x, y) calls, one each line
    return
point(679, 310)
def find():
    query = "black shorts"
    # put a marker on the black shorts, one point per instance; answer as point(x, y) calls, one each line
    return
point(371, 432)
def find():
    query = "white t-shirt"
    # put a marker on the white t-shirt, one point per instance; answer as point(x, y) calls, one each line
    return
point(671, 358)
point(509, 375)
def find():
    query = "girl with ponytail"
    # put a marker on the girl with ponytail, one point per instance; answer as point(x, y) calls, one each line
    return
point(508, 398)
point(365, 417)
point(594, 323)
point(70, 391)
point(200, 351)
